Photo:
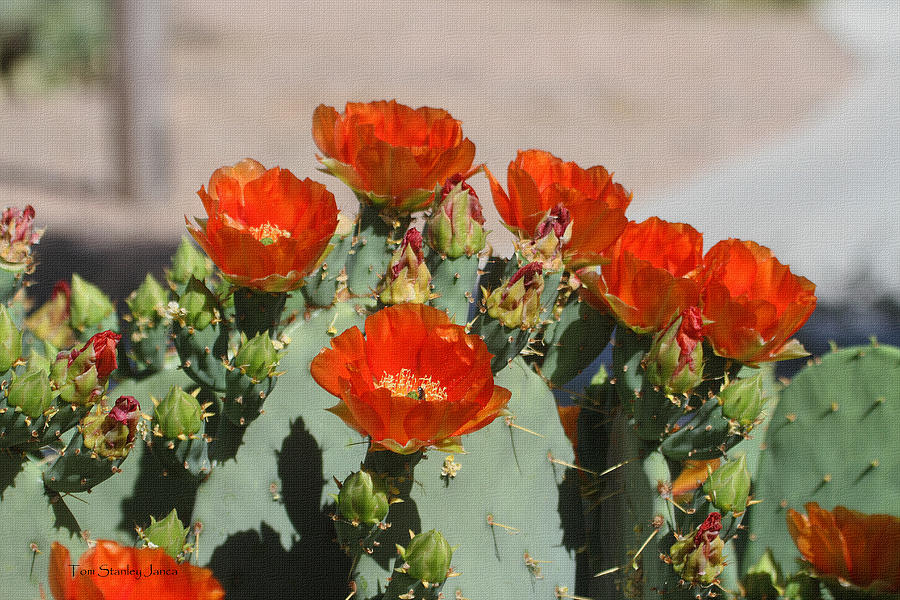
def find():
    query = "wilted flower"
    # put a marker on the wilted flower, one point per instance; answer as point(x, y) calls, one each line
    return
point(408, 278)
point(415, 380)
point(389, 154)
point(266, 230)
point(517, 303)
point(650, 278)
point(111, 433)
point(755, 304)
point(109, 571)
point(855, 548)
point(553, 202)
point(17, 235)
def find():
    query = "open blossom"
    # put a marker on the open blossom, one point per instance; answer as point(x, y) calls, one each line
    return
point(391, 155)
point(415, 380)
point(266, 230)
point(853, 547)
point(651, 275)
point(754, 303)
point(108, 571)
point(551, 202)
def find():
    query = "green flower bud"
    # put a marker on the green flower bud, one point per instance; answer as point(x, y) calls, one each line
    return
point(361, 501)
point(675, 360)
point(742, 400)
point(188, 262)
point(89, 306)
point(179, 413)
point(257, 358)
point(10, 340)
point(199, 304)
point(170, 534)
point(31, 392)
point(148, 300)
point(408, 278)
point(456, 226)
point(50, 322)
point(517, 303)
point(428, 556)
point(729, 485)
point(110, 433)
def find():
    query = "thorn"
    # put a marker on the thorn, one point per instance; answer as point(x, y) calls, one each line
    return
point(607, 572)
point(509, 422)
point(614, 467)
point(689, 511)
point(570, 465)
point(492, 522)
point(634, 564)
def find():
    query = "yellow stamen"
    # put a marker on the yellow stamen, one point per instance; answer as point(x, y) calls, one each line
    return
point(268, 234)
point(405, 383)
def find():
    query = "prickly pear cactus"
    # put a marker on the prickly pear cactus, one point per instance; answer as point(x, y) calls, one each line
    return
point(832, 440)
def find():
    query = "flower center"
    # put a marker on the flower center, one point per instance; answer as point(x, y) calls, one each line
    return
point(268, 234)
point(405, 383)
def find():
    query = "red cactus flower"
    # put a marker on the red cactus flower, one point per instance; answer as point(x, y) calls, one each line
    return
point(853, 547)
point(651, 276)
point(546, 194)
point(109, 571)
point(754, 302)
point(103, 345)
point(415, 380)
point(266, 230)
point(391, 155)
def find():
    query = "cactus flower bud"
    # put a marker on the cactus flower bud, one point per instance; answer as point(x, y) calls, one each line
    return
point(552, 233)
point(517, 304)
point(456, 226)
point(10, 341)
point(428, 556)
point(17, 235)
point(188, 262)
point(50, 322)
point(698, 557)
point(169, 534)
point(178, 414)
point(88, 306)
point(408, 278)
point(361, 501)
point(31, 392)
point(675, 360)
point(149, 300)
point(729, 485)
point(199, 305)
point(88, 369)
point(257, 358)
point(742, 400)
point(111, 434)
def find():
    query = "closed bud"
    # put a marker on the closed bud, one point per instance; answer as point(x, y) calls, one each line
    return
point(10, 340)
point(50, 322)
point(729, 485)
point(517, 303)
point(88, 306)
point(31, 392)
point(742, 400)
point(169, 534)
point(257, 357)
point(199, 305)
point(456, 226)
point(189, 262)
point(675, 360)
point(149, 300)
point(408, 278)
point(428, 556)
point(179, 413)
point(111, 433)
point(361, 501)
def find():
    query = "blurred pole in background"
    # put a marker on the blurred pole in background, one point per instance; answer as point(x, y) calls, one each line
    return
point(139, 92)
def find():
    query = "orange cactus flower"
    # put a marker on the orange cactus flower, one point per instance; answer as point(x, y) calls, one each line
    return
point(650, 278)
point(266, 230)
point(856, 548)
point(391, 156)
point(692, 476)
point(415, 380)
point(754, 302)
point(109, 571)
point(547, 193)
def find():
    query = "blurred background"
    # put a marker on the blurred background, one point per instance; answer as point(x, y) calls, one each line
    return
point(772, 121)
